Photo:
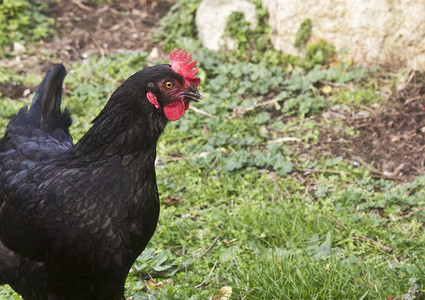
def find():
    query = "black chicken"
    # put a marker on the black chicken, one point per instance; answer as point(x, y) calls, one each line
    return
point(74, 218)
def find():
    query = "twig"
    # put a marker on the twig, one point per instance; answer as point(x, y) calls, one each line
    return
point(380, 175)
point(373, 242)
point(200, 111)
point(284, 139)
point(210, 247)
point(361, 238)
point(323, 171)
point(375, 173)
point(338, 223)
point(100, 48)
point(410, 214)
point(101, 10)
point(411, 100)
point(229, 242)
point(272, 101)
point(82, 6)
point(208, 277)
point(199, 249)
point(240, 111)
point(170, 158)
point(202, 255)
point(210, 168)
point(411, 75)
point(336, 84)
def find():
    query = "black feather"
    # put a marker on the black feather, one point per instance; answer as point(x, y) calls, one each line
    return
point(73, 218)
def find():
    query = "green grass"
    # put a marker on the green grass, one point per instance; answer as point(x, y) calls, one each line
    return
point(22, 21)
point(247, 200)
point(244, 216)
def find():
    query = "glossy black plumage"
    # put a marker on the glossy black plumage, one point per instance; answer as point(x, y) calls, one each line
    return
point(73, 218)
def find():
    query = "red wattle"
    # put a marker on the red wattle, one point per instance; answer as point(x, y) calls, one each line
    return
point(175, 110)
point(152, 99)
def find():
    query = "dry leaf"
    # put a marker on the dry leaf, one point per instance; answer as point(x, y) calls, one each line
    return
point(225, 293)
point(151, 284)
point(171, 201)
point(327, 89)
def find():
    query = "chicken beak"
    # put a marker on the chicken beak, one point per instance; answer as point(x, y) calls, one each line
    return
point(192, 95)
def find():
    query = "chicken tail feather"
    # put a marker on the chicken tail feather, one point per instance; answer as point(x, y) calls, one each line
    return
point(45, 112)
point(9, 263)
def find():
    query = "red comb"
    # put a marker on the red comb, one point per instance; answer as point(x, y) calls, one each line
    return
point(180, 63)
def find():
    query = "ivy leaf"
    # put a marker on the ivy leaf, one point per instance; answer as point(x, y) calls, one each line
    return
point(324, 250)
point(297, 82)
point(283, 167)
point(236, 160)
point(262, 118)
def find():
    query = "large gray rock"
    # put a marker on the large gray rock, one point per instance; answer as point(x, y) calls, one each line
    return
point(374, 31)
point(211, 20)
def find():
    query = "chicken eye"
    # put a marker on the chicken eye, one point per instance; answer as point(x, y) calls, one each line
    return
point(169, 84)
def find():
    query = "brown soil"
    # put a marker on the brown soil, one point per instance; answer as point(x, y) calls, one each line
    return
point(85, 28)
point(13, 91)
point(391, 139)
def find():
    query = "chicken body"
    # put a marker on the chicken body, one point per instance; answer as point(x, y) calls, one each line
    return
point(74, 218)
